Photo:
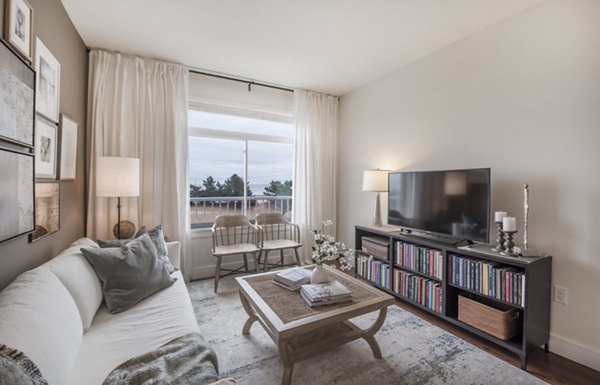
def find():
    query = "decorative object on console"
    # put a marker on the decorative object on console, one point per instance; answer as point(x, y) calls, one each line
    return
point(498, 217)
point(118, 177)
point(377, 181)
point(526, 213)
point(19, 25)
point(17, 86)
point(510, 245)
point(327, 250)
point(47, 209)
point(68, 148)
point(47, 87)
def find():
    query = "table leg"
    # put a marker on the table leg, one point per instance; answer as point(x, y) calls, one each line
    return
point(288, 365)
point(251, 315)
point(369, 334)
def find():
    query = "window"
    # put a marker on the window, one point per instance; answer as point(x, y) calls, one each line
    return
point(239, 164)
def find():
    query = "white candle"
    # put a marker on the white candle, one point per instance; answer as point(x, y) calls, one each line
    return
point(499, 216)
point(509, 224)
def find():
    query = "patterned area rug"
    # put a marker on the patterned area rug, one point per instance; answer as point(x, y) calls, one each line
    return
point(415, 352)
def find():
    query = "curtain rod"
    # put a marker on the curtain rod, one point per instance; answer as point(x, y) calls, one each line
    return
point(249, 82)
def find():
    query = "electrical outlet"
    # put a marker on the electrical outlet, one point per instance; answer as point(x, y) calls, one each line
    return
point(560, 294)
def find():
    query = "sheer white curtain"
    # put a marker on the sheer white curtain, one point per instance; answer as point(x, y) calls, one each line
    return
point(316, 120)
point(138, 108)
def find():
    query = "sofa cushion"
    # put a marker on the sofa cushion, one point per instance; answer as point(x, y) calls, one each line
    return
point(129, 273)
point(115, 338)
point(39, 317)
point(80, 279)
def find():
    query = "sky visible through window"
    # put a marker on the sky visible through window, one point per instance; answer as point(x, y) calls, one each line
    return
point(223, 157)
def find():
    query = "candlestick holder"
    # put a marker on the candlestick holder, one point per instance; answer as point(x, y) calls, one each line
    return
point(500, 240)
point(509, 244)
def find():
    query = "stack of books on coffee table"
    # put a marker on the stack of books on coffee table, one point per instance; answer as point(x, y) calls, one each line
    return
point(325, 293)
point(292, 279)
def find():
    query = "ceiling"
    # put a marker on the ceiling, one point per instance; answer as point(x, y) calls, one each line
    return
point(329, 46)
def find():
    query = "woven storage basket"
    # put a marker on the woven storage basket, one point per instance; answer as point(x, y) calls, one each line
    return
point(499, 320)
point(376, 246)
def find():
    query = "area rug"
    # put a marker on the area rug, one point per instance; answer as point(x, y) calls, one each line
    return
point(415, 352)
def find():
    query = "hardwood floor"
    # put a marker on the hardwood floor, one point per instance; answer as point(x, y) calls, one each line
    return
point(550, 367)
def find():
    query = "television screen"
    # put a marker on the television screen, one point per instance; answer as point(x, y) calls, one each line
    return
point(455, 203)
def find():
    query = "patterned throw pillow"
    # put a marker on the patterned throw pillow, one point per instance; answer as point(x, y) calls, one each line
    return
point(158, 237)
point(17, 368)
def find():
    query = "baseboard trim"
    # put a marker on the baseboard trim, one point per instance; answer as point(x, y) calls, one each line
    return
point(575, 351)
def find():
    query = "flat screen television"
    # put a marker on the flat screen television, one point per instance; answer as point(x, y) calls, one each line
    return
point(454, 203)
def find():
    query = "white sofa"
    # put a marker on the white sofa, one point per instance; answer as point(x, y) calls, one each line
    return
point(55, 314)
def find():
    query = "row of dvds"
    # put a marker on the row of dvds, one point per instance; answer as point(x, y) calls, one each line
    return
point(493, 279)
point(420, 259)
point(427, 292)
point(373, 270)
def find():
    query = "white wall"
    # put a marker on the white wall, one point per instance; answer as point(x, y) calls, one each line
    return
point(210, 91)
point(522, 97)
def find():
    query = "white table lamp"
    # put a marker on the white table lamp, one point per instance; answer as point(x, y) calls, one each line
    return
point(377, 181)
point(118, 177)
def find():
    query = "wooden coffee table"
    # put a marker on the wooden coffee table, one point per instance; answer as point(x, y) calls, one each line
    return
point(301, 331)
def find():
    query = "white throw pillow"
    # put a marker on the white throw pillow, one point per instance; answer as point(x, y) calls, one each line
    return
point(80, 279)
point(39, 317)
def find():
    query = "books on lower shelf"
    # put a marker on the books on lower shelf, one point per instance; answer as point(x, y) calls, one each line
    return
point(420, 259)
point(292, 279)
point(374, 270)
point(424, 291)
point(506, 283)
point(319, 294)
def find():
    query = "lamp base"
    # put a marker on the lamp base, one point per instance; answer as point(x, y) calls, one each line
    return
point(127, 229)
point(377, 214)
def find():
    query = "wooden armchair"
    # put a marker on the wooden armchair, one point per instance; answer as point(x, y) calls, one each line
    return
point(234, 235)
point(276, 233)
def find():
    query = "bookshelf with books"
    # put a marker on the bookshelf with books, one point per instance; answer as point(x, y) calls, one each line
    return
point(432, 274)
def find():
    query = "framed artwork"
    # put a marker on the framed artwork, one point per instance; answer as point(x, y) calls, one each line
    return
point(68, 148)
point(18, 22)
point(17, 94)
point(16, 194)
point(47, 87)
point(47, 209)
point(45, 149)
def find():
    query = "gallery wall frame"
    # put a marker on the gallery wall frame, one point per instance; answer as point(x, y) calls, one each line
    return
point(68, 148)
point(17, 190)
point(17, 98)
point(18, 26)
point(46, 147)
point(47, 88)
point(47, 209)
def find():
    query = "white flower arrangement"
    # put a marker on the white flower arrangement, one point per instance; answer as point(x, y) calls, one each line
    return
point(327, 249)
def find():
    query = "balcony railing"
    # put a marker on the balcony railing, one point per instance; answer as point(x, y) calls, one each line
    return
point(203, 211)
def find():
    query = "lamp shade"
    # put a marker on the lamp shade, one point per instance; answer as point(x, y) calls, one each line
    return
point(375, 180)
point(117, 177)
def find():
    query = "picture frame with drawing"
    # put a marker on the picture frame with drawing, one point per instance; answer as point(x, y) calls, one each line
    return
point(18, 26)
point(45, 149)
point(68, 148)
point(47, 85)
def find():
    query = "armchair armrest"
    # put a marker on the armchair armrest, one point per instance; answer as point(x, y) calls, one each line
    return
point(174, 250)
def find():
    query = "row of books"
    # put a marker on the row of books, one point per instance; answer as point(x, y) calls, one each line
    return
point(493, 279)
point(374, 270)
point(427, 292)
point(420, 259)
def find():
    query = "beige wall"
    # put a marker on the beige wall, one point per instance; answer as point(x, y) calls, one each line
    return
point(521, 97)
point(55, 29)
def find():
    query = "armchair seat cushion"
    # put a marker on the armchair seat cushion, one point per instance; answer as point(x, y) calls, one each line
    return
point(239, 248)
point(279, 244)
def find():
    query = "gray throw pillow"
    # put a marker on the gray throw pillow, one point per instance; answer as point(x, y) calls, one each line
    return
point(130, 273)
point(158, 238)
point(112, 242)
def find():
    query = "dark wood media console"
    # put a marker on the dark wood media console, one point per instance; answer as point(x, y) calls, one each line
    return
point(431, 274)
